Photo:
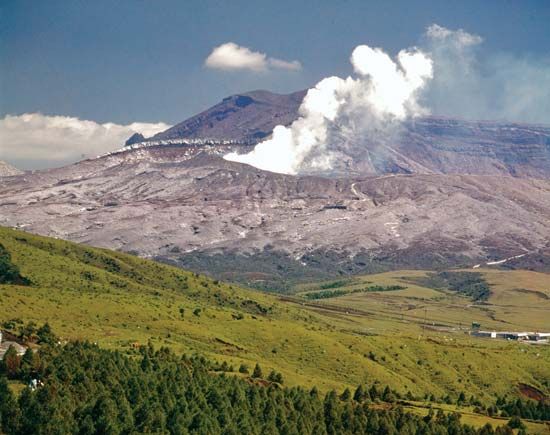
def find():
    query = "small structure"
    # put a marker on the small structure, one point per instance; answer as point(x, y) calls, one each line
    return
point(540, 337)
point(5, 345)
point(486, 334)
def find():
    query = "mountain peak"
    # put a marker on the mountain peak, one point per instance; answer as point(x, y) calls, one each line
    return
point(247, 117)
point(7, 170)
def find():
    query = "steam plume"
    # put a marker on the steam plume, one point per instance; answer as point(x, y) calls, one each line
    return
point(471, 84)
point(358, 118)
point(338, 114)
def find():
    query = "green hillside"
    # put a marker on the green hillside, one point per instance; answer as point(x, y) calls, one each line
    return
point(120, 301)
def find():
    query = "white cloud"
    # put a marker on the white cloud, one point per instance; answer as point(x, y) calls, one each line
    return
point(34, 140)
point(283, 64)
point(233, 57)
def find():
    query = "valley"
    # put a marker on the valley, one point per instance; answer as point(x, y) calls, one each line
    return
point(413, 338)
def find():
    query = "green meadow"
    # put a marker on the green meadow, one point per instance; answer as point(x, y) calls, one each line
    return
point(413, 339)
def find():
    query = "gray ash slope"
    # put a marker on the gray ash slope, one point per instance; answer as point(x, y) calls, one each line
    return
point(182, 203)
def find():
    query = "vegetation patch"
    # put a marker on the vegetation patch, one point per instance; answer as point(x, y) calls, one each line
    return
point(161, 392)
point(327, 294)
point(470, 284)
point(9, 272)
point(86, 297)
point(334, 284)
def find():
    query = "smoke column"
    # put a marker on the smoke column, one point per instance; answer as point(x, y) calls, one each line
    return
point(338, 114)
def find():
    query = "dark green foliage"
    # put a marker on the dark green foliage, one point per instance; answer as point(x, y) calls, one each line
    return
point(471, 284)
point(89, 390)
point(529, 409)
point(346, 395)
point(275, 270)
point(516, 423)
point(9, 416)
point(9, 272)
point(360, 394)
point(334, 284)
point(29, 332)
point(257, 373)
point(325, 294)
point(45, 335)
point(275, 377)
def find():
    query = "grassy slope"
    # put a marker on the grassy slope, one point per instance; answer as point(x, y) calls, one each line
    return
point(117, 299)
point(520, 300)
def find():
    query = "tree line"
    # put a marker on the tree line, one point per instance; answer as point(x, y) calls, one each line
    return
point(84, 389)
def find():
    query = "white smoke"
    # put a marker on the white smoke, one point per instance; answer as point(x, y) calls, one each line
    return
point(358, 119)
point(339, 114)
point(472, 84)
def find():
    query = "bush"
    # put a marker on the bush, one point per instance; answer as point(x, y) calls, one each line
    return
point(275, 377)
point(45, 335)
point(9, 272)
point(516, 423)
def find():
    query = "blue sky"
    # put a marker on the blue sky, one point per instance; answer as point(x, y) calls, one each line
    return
point(125, 61)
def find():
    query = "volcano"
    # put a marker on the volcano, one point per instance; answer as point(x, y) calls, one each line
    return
point(446, 193)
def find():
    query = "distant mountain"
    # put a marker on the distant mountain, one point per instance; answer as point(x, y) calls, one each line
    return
point(194, 209)
point(7, 170)
point(425, 145)
point(445, 193)
point(135, 138)
point(247, 118)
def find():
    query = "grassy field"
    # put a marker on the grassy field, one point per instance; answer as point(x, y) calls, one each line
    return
point(519, 300)
point(477, 420)
point(119, 300)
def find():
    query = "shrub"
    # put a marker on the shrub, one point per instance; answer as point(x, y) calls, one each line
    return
point(257, 373)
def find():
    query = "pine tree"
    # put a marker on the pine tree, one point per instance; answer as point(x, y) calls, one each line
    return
point(9, 414)
point(27, 364)
point(257, 373)
point(45, 335)
point(346, 395)
point(359, 394)
point(515, 423)
point(11, 363)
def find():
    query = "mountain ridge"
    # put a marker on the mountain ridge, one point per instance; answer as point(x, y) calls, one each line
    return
point(186, 206)
point(449, 194)
point(429, 144)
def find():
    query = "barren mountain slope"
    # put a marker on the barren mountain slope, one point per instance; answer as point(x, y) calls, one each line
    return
point(442, 193)
point(182, 204)
point(246, 118)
